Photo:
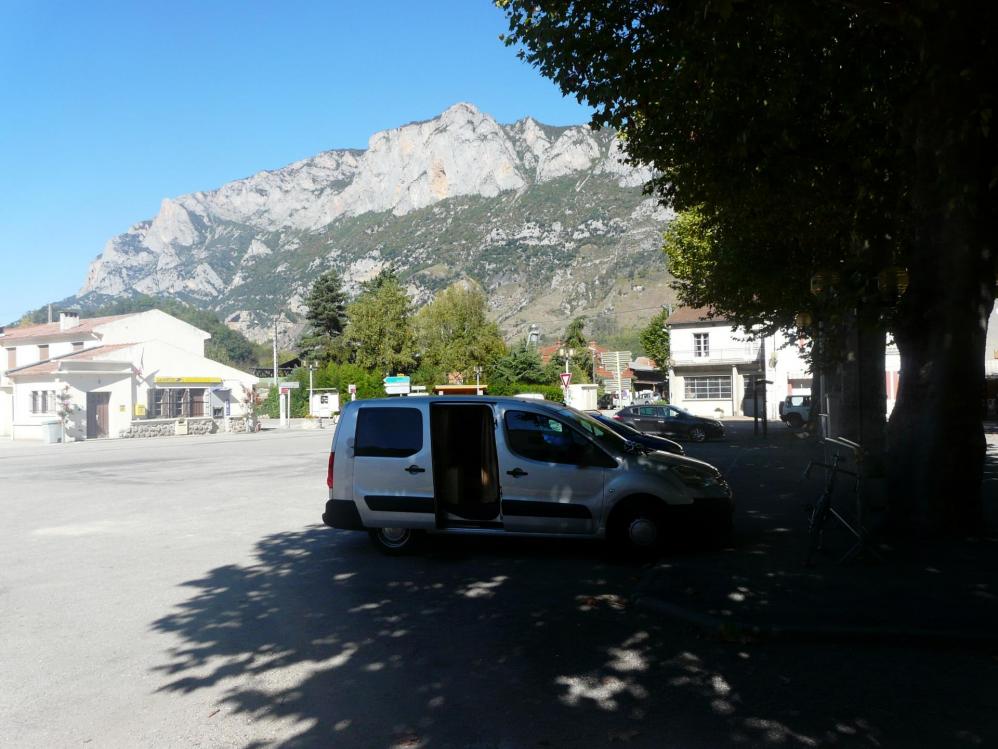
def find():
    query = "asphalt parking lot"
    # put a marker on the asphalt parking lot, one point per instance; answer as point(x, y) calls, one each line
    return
point(181, 592)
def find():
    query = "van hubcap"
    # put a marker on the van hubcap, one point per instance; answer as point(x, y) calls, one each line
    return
point(394, 536)
point(642, 532)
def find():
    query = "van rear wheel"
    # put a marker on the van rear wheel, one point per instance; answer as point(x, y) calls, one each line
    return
point(394, 541)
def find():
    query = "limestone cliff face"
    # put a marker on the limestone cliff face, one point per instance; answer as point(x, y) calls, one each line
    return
point(434, 199)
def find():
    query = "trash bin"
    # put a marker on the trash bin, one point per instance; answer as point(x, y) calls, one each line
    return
point(52, 432)
point(181, 426)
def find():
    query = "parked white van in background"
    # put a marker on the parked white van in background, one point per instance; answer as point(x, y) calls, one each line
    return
point(476, 464)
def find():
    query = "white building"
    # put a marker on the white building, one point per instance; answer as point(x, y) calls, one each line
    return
point(714, 367)
point(143, 373)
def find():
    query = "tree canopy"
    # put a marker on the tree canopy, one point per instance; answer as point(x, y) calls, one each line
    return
point(454, 334)
point(805, 138)
point(655, 339)
point(521, 365)
point(379, 326)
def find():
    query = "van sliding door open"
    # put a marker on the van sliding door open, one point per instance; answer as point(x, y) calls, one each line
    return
point(465, 465)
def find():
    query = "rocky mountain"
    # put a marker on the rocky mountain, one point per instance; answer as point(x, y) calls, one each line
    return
point(549, 220)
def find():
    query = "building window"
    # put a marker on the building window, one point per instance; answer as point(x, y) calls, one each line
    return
point(708, 388)
point(43, 402)
point(701, 345)
point(43, 352)
point(174, 403)
point(77, 346)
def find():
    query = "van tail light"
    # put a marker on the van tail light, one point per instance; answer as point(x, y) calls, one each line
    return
point(329, 471)
point(617, 417)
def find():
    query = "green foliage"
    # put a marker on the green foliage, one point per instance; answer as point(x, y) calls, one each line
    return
point(333, 375)
point(521, 365)
point(33, 317)
point(625, 340)
point(581, 370)
point(575, 336)
point(575, 344)
point(454, 333)
point(379, 326)
point(326, 314)
point(655, 339)
point(552, 393)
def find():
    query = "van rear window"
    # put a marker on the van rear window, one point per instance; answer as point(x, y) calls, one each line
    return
point(388, 432)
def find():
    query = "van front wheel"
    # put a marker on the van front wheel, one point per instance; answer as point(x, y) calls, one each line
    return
point(394, 541)
point(638, 529)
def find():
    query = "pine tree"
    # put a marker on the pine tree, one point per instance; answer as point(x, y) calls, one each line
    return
point(326, 314)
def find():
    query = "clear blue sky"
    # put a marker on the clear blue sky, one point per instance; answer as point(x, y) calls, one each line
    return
point(109, 107)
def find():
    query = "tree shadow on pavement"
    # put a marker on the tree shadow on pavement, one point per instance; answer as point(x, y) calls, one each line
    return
point(322, 641)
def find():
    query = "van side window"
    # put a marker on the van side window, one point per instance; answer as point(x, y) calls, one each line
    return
point(388, 432)
point(539, 437)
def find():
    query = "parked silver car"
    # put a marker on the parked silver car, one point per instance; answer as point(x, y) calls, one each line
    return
point(508, 466)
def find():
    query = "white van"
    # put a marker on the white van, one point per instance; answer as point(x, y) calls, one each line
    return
point(476, 464)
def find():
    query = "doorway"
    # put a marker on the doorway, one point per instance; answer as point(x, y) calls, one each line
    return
point(97, 414)
point(465, 466)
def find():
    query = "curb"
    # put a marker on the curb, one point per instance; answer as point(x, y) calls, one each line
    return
point(734, 631)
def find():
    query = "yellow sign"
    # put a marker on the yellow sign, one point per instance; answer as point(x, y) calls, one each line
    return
point(188, 380)
point(140, 410)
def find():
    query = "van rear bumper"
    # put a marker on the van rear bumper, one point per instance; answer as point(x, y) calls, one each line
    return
point(343, 514)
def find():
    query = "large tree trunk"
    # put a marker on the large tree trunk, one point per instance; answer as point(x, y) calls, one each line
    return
point(936, 437)
point(856, 384)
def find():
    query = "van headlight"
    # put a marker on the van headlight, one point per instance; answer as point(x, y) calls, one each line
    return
point(696, 478)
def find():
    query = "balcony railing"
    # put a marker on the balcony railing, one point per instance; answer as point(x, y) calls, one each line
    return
point(743, 354)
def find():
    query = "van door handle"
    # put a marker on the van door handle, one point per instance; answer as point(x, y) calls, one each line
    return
point(415, 469)
point(517, 472)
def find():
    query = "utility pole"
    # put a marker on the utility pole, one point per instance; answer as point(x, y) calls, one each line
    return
point(275, 350)
point(478, 374)
point(765, 388)
point(311, 367)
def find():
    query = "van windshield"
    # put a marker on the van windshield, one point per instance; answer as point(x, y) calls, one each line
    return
point(605, 437)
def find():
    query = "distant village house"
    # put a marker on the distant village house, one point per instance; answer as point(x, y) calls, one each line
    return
point(139, 374)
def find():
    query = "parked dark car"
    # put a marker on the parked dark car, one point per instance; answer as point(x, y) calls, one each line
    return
point(670, 421)
point(628, 432)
